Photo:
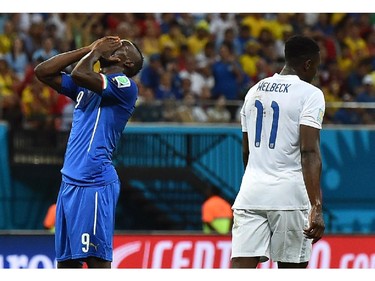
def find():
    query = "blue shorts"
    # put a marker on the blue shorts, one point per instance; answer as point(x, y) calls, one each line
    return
point(85, 219)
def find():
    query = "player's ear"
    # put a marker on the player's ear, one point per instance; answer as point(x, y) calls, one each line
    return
point(128, 63)
point(307, 65)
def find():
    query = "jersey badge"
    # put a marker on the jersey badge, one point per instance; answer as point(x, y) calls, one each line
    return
point(121, 81)
point(320, 115)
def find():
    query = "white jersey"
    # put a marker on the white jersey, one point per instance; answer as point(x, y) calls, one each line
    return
point(271, 115)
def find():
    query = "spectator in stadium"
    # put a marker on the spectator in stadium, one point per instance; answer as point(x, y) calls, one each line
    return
point(229, 77)
point(356, 42)
point(186, 22)
point(197, 41)
point(217, 216)
point(66, 118)
point(148, 109)
point(347, 115)
point(150, 40)
point(280, 202)
point(37, 103)
point(230, 39)
point(345, 60)
point(33, 38)
point(174, 39)
point(17, 58)
point(7, 36)
point(191, 73)
point(208, 55)
point(90, 186)
point(250, 58)
point(242, 38)
point(169, 110)
point(93, 28)
point(10, 106)
point(367, 95)
point(151, 73)
point(353, 81)
point(46, 51)
point(165, 89)
point(255, 21)
point(219, 24)
point(218, 113)
point(189, 111)
point(332, 94)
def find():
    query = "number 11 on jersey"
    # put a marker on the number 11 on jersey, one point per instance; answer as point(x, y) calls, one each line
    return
point(259, 123)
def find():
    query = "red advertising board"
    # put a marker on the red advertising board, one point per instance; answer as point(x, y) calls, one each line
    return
point(183, 250)
point(202, 251)
point(171, 251)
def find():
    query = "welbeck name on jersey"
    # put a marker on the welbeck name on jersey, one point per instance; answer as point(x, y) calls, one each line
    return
point(273, 87)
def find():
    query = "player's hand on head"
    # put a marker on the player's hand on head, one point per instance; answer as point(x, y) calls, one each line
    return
point(99, 41)
point(106, 46)
point(316, 227)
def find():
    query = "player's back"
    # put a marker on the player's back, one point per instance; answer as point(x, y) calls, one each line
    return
point(272, 113)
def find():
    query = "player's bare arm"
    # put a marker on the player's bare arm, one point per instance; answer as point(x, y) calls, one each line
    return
point(83, 73)
point(245, 149)
point(311, 169)
point(49, 71)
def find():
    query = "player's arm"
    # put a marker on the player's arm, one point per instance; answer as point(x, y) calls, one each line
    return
point(311, 169)
point(83, 73)
point(245, 149)
point(49, 71)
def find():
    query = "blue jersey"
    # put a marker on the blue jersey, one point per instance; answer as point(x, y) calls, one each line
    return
point(98, 122)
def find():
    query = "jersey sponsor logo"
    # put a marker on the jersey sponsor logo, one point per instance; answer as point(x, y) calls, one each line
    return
point(95, 246)
point(121, 81)
point(273, 87)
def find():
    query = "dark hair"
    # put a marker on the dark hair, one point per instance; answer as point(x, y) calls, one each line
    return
point(138, 64)
point(298, 48)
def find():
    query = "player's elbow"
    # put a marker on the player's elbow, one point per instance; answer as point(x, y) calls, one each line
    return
point(41, 72)
point(310, 154)
point(76, 74)
point(311, 157)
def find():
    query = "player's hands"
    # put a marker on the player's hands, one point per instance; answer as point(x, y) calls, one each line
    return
point(106, 46)
point(316, 227)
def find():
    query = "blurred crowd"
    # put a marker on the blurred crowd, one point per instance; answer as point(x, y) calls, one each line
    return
point(198, 67)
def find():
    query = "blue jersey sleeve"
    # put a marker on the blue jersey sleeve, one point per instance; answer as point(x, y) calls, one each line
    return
point(122, 89)
point(68, 87)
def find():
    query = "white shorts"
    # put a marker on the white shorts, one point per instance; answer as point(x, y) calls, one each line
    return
point(275, 235)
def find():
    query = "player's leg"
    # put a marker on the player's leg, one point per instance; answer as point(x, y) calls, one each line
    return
point(88, 224)
point(62, 244)
point(94, 262)
point(292, 265)
point(250, 238)
point(289, 247)
point(245, 262)
point(69, 264)
point(99, 241)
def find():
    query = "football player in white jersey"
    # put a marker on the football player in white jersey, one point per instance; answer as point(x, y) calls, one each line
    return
point(278, 209)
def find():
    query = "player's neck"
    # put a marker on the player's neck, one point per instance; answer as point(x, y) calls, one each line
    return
point(111, 69)
point(288, 70)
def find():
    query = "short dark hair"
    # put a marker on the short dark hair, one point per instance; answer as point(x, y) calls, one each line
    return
point(298, 48)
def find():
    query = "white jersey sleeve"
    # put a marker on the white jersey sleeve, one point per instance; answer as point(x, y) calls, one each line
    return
point(313, 110)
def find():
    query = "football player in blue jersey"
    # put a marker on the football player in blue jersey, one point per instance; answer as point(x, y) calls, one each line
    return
point(104, 102)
